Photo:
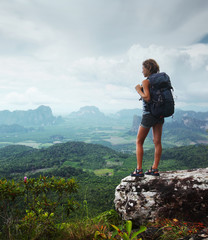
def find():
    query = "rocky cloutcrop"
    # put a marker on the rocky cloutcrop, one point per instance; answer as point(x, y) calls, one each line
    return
point(175, 194)
point(135, 124)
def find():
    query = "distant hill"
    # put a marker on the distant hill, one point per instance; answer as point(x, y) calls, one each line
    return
point(42, 116)
point(87, 112)
point(93, 114)
point(17, 160)
point(135, 124)
point(179, 114)
point(126, 114)
point(186, 127)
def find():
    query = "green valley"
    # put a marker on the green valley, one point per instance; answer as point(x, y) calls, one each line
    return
point(96, 168)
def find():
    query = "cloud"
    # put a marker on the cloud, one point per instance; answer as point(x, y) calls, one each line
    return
point(72, 53)
point(31, 98)
point(80, 28)
point(107, 82)
point(186, 66)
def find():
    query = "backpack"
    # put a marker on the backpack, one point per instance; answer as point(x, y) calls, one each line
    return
point(162, 103)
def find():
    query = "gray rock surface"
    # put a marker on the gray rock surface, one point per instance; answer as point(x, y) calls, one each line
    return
point(175, 194)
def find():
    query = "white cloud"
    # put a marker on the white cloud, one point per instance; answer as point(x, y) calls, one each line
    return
point(31, 98)
point(71, 53)
point(186, 67)
point(107, 82)
point(19, 28)
point(80, 28)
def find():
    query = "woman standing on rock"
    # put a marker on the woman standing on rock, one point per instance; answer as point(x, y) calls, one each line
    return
point(150, 67)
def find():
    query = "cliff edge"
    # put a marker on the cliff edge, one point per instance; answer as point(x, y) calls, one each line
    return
point(175, 194)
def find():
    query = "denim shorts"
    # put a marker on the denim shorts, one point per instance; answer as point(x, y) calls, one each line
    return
point(149, 121)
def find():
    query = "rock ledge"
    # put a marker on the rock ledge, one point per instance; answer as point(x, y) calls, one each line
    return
point(175, 194)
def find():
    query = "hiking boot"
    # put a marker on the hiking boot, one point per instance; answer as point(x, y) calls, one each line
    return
point(153, 172)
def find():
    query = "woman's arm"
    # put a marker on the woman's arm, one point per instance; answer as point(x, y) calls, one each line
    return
point(144, 90)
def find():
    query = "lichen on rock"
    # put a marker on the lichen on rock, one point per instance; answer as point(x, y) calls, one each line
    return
point(179, 194)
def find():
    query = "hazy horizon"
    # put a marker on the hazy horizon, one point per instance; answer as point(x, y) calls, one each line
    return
point(102, 111)
point(70, 54)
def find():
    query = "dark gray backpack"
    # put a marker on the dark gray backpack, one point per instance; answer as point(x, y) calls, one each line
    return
point(162, 103)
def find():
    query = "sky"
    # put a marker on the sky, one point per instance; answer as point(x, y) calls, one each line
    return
point(68, 54)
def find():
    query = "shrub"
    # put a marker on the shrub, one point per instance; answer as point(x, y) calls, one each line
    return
point(31, 208)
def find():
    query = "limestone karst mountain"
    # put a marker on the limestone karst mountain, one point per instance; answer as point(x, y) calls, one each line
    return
point(42, 116)
point(87, 112)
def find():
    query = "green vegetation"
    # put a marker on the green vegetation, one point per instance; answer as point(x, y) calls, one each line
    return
point(104, 172)
point(17, 160)
point(172, 229)
point(31, 208)
point(119, 233)
point(71, 178)
point(40, 204)
point(97, 169)
point(40, 209)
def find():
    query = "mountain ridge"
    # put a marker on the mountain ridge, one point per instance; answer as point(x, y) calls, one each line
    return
point(41, 116)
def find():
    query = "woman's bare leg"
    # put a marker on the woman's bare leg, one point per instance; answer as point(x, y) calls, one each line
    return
point(157, 135)
point(141, 136)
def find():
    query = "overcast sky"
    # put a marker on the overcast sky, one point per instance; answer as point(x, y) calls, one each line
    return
point(71, 53)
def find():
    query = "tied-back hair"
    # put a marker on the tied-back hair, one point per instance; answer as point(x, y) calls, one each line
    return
point(151, 65)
